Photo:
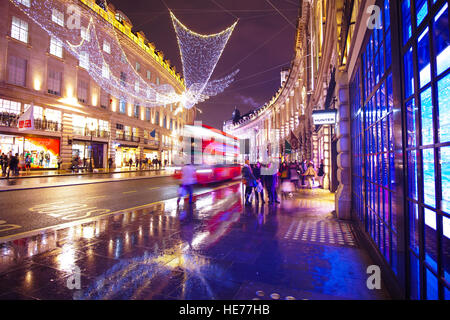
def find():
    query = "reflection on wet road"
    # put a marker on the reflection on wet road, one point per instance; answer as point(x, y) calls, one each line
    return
point(214, 249)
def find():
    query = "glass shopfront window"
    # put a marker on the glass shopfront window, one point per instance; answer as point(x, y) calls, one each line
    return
point(44, 152)
point(426, 55)
point(373, 173)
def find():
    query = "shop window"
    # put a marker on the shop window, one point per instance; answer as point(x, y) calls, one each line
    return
point(54, 82)
point(52, 115)
point(19, 29)
point(427, 193)
point(7, 106)
point(17, 70)
point(373, 173)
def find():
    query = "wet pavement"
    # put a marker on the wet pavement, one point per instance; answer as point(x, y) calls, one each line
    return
point(214, 249)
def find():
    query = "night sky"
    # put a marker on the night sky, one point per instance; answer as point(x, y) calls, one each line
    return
point(260, 46)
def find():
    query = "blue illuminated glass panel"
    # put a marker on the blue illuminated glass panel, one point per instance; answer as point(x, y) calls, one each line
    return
point(445, 178)
point(444, 109)
point(409, 73)
point(427, 117)
point(415, 277)
point(423, 52)
point(442, 40)
point(414, 226)
point(422, 10)
point(411, 123)
point(428, 178)
point(432, 286)
point(412, 175)
point(406, 20)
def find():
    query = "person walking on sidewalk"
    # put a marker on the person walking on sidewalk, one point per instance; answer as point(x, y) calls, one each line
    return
point(321, 173)
point(188, 180)
point(28, 164)
point(4, 163)
point(310, 174)
point(249, 180)
point(259, 190)
point(110, 163)
point(59, 162)
point(13, 165)
point(130, 162)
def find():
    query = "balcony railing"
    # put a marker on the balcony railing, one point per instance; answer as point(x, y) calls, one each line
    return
point(83, 131)
point(8, 119)
point(45, 125)
point(127, 137)
point(151, 143)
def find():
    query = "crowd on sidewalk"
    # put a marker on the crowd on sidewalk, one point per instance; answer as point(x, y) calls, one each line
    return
point(275, 178)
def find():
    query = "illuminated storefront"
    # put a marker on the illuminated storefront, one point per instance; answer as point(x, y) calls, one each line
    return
point(44, 151)
point(124, 154)
point(400, 110)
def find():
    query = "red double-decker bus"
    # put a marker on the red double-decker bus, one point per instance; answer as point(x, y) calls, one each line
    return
point(213, 152)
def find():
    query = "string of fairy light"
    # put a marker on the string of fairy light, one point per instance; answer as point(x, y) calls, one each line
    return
point(112, 69)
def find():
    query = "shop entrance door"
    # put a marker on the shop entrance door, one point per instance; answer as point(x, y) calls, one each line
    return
point(97, 155)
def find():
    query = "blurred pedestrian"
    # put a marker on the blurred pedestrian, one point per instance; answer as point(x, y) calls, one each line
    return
point(310, 175)
point(59, 159)
point(294, 174)
point(249, 181)
point(4, 163)
point(110, 163)
point(259, 189)
point(130, 162)
point(321, 173)
point(188, 180)
point(28, 164)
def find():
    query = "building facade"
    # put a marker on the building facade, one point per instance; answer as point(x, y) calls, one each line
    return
point(73, 114)
point(383, 67)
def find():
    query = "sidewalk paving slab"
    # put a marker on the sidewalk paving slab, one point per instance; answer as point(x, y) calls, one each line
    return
point(215, 249)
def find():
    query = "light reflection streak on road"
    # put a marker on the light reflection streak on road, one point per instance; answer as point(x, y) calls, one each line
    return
point(136, 274)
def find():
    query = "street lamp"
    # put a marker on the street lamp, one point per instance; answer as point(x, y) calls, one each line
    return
point(91, 129)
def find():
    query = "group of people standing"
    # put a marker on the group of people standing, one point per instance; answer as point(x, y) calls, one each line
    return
point(10, 164)
point(286, 176)
point(146, 163)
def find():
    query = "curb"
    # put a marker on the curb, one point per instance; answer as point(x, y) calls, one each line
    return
point(85, 183)
point(76, 174)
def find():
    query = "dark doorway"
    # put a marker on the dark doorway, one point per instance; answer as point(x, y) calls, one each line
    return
point(97, 155)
